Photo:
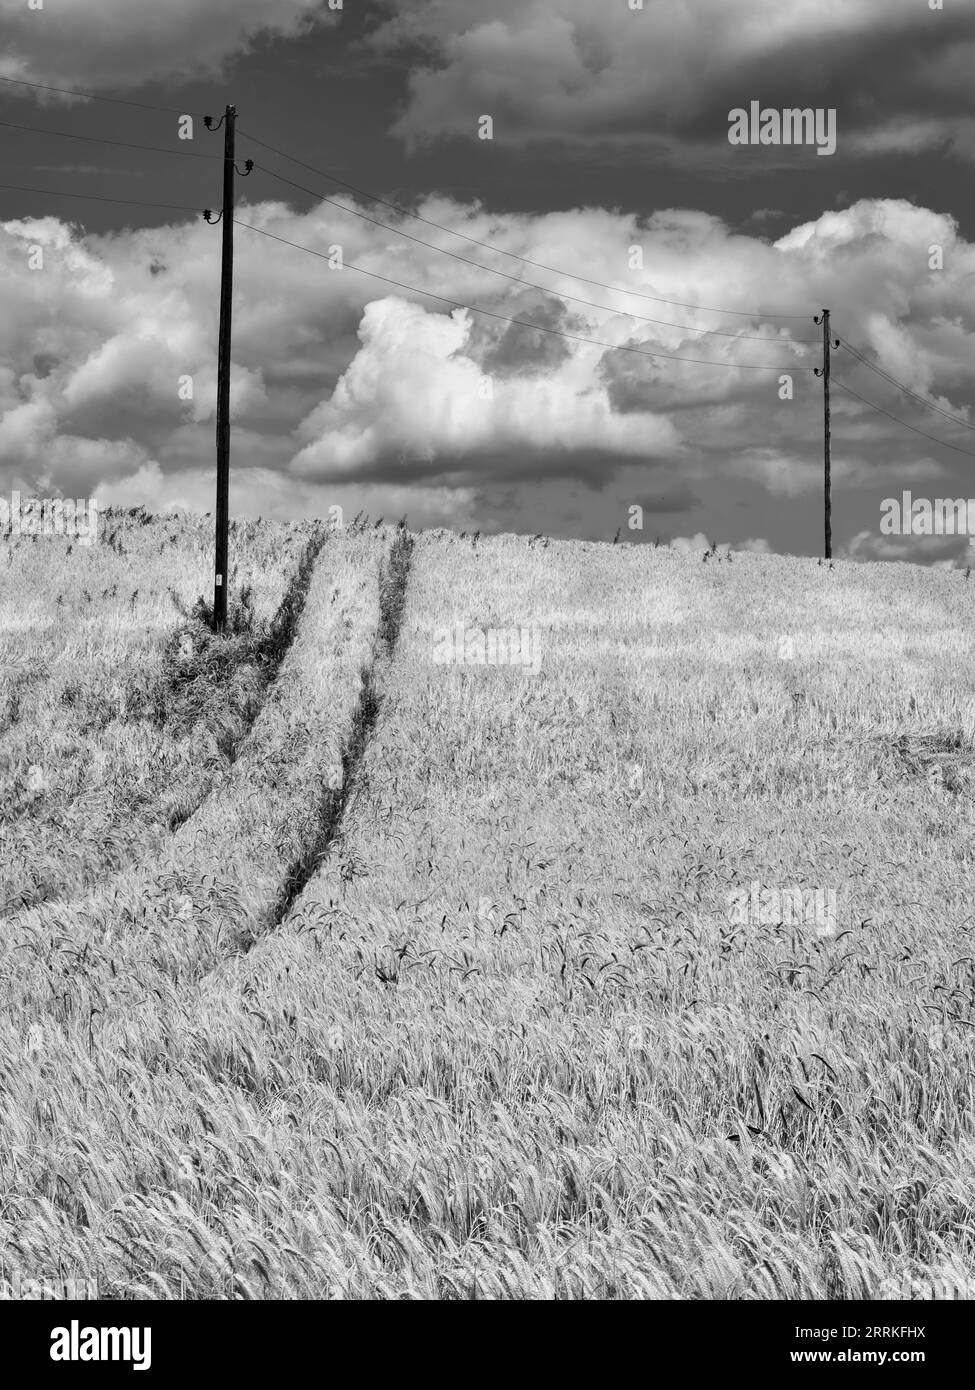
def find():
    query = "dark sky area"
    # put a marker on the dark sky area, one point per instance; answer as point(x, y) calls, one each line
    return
point(330, 100)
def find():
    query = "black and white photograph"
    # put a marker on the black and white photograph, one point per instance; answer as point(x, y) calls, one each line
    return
point(487, 671)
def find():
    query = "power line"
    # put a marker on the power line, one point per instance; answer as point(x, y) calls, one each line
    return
point(897, 421)
point(499, 251)
point(404, 212)
point(522, 323)
point(906, 389)
point(101, 140)
point(94, 96)
point(527, 284)
point(98, 198)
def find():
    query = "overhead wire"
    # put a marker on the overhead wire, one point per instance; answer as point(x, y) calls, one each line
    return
point(966, 424)
point(528, 284)
point(873, 406)
point(104, 140)
point(95, 96)
point(523, 323)
point(457, 304)
point(99, 198)
point(501, 251)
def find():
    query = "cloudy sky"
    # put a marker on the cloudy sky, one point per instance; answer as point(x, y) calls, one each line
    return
point(667, 277)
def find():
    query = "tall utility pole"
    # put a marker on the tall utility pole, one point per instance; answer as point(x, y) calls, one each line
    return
point(221, 562)
point(823, 371)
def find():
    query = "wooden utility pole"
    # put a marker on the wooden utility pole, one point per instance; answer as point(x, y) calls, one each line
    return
point(823, 371)
point(221, 560)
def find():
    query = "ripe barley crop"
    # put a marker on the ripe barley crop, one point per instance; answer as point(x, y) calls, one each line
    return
point(498, 979)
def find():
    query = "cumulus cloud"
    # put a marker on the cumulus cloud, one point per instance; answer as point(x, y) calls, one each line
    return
point(39, 457)
point(413, 392)
point(665, 75)
point(689, 544)
point(343, 388)
point(685, 544)
point(122, 43)
point(941, 552)
point(277, 496)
